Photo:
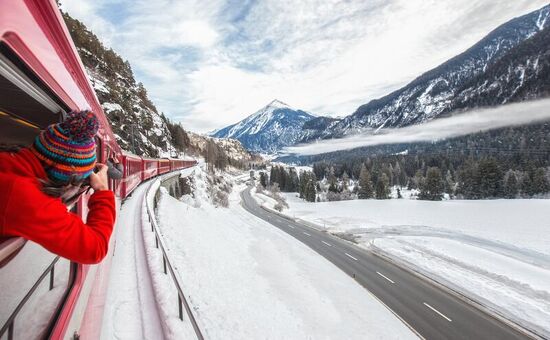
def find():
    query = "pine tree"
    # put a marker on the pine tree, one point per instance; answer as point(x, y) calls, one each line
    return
point(491, 178)
point(382, 187)
point(302, 184)
point(539, 183)
point(365, 184)
point(432, 189)
point(293, 181)
point(263, 179)
point(345, 181)
point(272, 176)
point(418, 179)
point(527, 184)
point(310, 191)
point(332, 181)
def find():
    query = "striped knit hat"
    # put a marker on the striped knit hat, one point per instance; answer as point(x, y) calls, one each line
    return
point(68, 148)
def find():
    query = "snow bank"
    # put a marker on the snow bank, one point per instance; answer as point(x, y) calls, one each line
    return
point(248, 280)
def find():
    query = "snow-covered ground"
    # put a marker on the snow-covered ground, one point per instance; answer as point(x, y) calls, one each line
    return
point(130, 307)
point(496, 251)
point(249, 280)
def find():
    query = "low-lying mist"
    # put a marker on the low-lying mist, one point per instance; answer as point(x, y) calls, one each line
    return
point(473, 121)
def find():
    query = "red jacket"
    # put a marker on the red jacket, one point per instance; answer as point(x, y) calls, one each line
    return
point(27, 212)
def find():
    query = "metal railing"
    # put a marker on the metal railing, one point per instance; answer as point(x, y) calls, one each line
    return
point(167, 266)
point(10, 323)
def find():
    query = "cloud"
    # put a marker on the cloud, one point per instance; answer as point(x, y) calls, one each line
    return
point(215, 62)
point(458, 125)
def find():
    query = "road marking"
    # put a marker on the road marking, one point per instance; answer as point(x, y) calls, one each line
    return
point(438, 312)
point(348, 255)
point(306, 233)
point(290, 226)
point(384, 276)
point(328, 244)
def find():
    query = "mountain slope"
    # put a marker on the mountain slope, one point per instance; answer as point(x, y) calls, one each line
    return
point(275, 126)
point(434, 92)
point(522, 74)
point(136, 122)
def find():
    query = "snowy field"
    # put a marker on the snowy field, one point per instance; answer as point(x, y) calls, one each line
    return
point(496, 251)
point(247, 279)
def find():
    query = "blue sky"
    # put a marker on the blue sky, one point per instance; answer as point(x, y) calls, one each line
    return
point(211, 63)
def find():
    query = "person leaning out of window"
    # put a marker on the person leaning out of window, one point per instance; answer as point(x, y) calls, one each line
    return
point(39, 183)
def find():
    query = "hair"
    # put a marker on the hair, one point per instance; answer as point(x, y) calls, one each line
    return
point(51, 187)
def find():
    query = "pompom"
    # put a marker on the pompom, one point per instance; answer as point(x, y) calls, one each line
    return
point(81, 126)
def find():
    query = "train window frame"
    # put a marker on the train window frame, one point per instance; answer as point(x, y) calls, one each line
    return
point(25, 106)
point(28, 81)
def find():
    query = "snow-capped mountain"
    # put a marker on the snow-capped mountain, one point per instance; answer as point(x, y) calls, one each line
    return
point(521, 74)
point(275, 126)
point(440, 90)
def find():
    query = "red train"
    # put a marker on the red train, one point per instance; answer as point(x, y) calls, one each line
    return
point(41, 79)
point(138, 169)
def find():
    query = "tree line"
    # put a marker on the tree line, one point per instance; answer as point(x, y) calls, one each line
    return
point(505, 163)
point(289, 180)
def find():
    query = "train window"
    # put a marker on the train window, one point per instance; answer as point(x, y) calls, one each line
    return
point(19, 277)
point(25, 107)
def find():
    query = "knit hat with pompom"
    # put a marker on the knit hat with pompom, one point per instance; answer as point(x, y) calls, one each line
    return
point(68, 148)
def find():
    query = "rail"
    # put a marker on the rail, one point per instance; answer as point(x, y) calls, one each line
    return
point(10, 323)
point(9, 248)
point(167, 266)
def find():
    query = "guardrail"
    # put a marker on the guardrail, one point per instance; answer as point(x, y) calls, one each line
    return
point(10, 323)
point(167, 266)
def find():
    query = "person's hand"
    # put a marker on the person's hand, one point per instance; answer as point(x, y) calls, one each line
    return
point(99, 180)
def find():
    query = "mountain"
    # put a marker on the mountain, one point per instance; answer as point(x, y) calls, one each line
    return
point(455, 83)
point(273, 127)
point(317, 128)
point(136, 122)
point(521, 74)
point(231, 150)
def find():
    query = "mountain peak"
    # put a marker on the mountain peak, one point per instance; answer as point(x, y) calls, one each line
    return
point(277, 104)
point(270, 128)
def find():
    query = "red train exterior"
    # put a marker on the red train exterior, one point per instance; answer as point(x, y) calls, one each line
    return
point(150, 168)
point(164, 166)
point(40, 61)
point(133, 173)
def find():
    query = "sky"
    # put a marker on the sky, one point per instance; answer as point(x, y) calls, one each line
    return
point(473, 121)
point(209, 64)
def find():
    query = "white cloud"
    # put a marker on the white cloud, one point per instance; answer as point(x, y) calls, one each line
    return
point(215, 62)
point(461, 124)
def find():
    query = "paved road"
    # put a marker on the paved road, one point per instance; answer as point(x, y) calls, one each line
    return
point(430, 311)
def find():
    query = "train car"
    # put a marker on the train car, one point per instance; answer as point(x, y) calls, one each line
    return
point(133, 173)
point(176, 164)
point(150, 168)
point(164, 166)
point(188, 163)
point(41, 80)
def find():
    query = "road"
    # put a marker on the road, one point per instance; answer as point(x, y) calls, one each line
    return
point(430, 311)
